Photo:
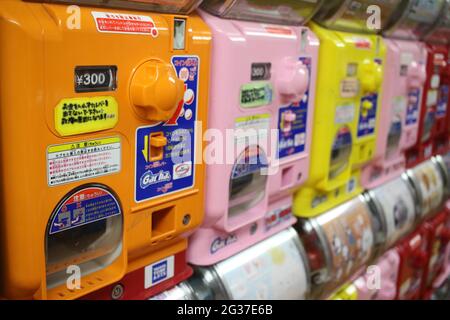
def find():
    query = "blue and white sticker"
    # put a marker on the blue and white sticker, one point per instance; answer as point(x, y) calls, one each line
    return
point(412, 109)
point(82, 207)
point(441, 109)
point(293, 122)
point(159, 271)
point(367, 118)
point(176, 170)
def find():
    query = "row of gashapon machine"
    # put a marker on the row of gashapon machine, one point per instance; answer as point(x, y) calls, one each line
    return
point(105, 194)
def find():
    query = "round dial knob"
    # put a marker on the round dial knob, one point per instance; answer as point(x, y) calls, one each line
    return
point(416, 75)
point(371, 76)
point(293, 80)
point(156, 91)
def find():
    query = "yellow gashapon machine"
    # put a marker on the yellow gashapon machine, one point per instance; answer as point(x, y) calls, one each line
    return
point(347, 106)
point(98, 110)
point(347, 292)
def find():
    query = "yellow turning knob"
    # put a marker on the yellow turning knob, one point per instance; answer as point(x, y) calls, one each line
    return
point(371, 76)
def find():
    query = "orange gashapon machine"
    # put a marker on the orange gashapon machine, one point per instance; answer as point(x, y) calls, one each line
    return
point(98, 113)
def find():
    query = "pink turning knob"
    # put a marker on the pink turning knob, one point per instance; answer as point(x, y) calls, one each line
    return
point(293, 80)
point(416, 75)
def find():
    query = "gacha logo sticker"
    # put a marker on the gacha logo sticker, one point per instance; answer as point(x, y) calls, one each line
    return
point(149, 178)
point(220, 243)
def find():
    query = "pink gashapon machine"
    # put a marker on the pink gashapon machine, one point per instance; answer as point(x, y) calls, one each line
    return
point(369, 287)
point(263, 82)
point(404, 78)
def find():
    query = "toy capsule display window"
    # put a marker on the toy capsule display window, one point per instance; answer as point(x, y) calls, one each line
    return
point(273, 269)
point(366, 285)
point(353, 16)
point(394, 211)
point(338, 243)
point(413, 258)
point(419, 20)
point(262, 91)
point(428, 183)
point(403, 82)
point(282, 12)
point(437, 230)
point(440, 38)
point(444, 162)
point(346, 115)
point(106, 97)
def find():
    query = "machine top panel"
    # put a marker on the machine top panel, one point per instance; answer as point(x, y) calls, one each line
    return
point(163, 6)
point(285, 12)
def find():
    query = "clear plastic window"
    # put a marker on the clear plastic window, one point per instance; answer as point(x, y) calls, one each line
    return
point(248, 181)
point(270, 270)
point(340, 152)
point(85, 231)
point(316, 254)
point(429, 184)
point(396, 202)
point(428, 124)
point(357, 16)
point(441, 32)
point(291, 12)
point(349, 235)
point(446, 158)
point(394, 136)
point(167, 6)
point(417, 20)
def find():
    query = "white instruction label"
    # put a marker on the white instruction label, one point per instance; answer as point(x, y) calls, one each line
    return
point(344, 114)
point(83, 160)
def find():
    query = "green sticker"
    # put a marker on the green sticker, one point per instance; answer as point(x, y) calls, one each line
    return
point(256, 94)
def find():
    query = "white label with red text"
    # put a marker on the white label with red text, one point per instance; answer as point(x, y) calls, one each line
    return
point(124, 23)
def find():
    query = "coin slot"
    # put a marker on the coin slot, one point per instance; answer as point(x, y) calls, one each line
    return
point(157, 143)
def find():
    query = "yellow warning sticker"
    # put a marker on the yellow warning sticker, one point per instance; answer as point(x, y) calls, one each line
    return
point(82, 115)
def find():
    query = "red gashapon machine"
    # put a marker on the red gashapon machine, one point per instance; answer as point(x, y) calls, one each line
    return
point(439, 42)
point(428, 182)
point(413, 254)
point(437, 230)
point(432, 115)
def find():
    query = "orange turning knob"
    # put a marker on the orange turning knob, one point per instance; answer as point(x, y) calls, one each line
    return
point(156, 91)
